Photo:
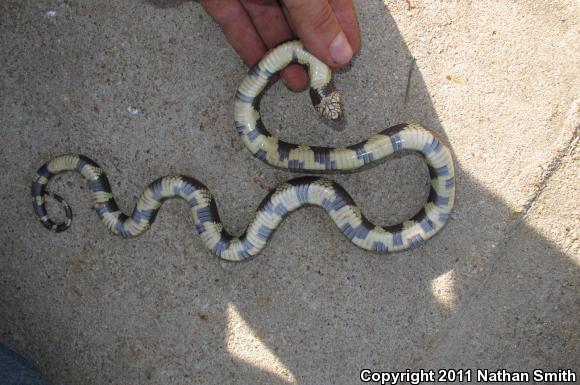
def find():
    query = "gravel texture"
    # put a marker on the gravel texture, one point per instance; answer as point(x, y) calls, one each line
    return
point(146, 89)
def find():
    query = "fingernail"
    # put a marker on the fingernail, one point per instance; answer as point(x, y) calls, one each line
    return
point(340, 49)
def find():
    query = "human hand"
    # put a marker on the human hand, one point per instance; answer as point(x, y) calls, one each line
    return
point(328, 29)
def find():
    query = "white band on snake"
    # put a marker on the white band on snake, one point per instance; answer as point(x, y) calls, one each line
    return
point(288, 196)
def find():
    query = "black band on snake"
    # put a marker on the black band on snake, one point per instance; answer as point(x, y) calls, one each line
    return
point(288, 196)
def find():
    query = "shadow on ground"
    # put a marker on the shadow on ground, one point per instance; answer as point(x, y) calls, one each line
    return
point(489, 291)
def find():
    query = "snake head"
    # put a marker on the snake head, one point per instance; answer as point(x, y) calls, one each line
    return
point(326, 101)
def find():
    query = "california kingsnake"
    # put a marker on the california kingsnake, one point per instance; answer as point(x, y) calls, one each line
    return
point(288, 196)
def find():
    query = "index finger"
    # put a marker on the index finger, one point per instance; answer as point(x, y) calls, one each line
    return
point(237, 28)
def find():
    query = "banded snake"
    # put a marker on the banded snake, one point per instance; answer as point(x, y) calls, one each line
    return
point(288, 196)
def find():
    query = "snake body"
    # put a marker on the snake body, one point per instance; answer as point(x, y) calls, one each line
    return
point(288, 196)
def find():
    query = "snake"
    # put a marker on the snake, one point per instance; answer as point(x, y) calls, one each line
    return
point(286, 197)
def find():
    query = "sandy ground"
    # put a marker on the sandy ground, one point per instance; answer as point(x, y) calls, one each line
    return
point(146, 89)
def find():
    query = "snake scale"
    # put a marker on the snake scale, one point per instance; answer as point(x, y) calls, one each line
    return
point(288, 196)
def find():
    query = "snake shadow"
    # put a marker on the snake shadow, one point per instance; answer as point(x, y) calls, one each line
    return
point(312, 308)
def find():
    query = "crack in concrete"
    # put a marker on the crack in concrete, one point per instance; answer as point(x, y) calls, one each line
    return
point(572, 125)
point(409, 75)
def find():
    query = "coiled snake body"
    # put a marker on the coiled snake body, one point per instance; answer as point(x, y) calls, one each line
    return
point(288, 196)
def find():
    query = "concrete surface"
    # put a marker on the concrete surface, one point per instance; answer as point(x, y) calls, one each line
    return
point(146, 89)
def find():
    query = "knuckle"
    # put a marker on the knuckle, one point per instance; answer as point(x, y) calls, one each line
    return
point(321, 19)
point(316, 16)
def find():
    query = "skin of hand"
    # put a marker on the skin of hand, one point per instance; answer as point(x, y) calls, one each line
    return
point(328, 28)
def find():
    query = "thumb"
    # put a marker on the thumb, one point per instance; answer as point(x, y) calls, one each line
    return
point(315, 23)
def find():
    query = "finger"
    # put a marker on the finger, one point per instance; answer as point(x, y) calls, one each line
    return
point(237, 28)
point(269, 21)
point(272, 26)
point(346, 15)
point(295, 77)
point(315, 22)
